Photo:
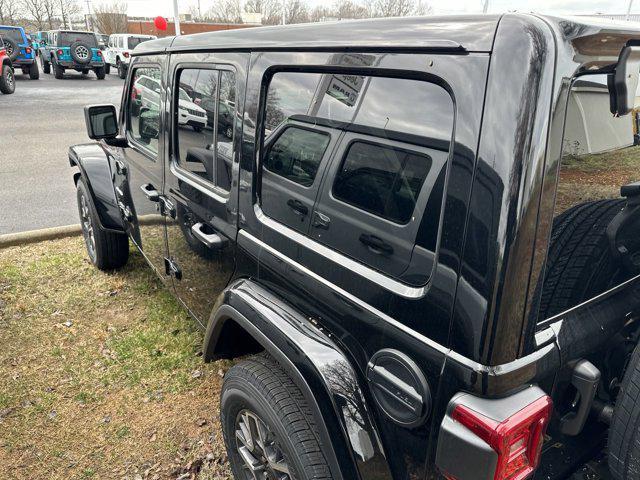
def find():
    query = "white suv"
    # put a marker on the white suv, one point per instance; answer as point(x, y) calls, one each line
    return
point(118, 53)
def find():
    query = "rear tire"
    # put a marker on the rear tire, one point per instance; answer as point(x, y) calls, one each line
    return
point(58, 71)
point(34, 72)
point(258, 393)
point(106, 250)
point(7, 80)
point(100, 73)
point(46, 66)
point(122, 70)
point(579, 263)
point(107, 68)
point(624, 432)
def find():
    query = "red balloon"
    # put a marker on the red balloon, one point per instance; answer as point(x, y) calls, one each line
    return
point(160, 23)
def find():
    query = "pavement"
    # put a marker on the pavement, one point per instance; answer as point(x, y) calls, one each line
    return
point(38, 123)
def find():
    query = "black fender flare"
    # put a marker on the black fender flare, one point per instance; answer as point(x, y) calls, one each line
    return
point(94, 167)
point(315, 363)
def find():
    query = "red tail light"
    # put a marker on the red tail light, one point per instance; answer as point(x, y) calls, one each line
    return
point(517, 440)
point(28, 50)
point(60, 52)
point(99, 53)
point(125, 54)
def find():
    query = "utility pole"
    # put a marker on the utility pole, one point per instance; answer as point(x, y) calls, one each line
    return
point(64, 19)
point(176, 16)
point(629, 10)
point(199, 12)
point(486, 6)
point(88, 16)
point(284, 12)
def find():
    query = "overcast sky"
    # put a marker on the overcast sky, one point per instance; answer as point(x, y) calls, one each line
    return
point(152, 8)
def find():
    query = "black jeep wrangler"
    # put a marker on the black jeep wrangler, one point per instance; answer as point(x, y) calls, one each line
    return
point(421, 235)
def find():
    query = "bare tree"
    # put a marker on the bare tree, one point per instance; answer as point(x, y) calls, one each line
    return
point(350, 9)
point(110, 18)
point(33, 8)
point(393, 8)
point(225, 11)
point(9, 11)
point(296, 11)
point(271, 10)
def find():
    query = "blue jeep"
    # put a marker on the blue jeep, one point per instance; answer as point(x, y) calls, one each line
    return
point(19, 50)
point(76, 50)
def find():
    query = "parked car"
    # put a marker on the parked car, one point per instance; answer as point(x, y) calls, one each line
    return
point(75, 50)
point(145, 94)
point(118, 52)
point(420, 240)
point(19, 49)
point(38, 40)
point(7, 80)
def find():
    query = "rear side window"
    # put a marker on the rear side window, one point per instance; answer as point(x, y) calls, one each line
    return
point(381, 180)
point(13, 34)
point(296, 154)
point(204, 122)
point(371, 153)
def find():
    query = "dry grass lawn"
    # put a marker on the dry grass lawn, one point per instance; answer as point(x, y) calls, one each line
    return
point(101, 374)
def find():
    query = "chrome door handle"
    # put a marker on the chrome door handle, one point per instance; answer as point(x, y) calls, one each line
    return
point(320, 220)
point(211, 240)
point(150, 192)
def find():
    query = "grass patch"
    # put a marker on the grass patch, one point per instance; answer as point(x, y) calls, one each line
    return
point(100, 373)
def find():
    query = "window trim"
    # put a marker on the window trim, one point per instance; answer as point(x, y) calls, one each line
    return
point(342, 161)
point(284, 129)
point(205, 186)
point(147, 152)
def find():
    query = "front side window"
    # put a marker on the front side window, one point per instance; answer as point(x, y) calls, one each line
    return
point(143, 111)
point(204, 121)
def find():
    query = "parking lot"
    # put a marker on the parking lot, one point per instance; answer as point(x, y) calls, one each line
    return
point(39, 122)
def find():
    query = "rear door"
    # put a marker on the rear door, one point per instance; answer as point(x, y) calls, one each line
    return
point(202, 180)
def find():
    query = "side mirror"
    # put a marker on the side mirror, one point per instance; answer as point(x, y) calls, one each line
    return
point(623, 83)
point(148, 125)
point(101, 121)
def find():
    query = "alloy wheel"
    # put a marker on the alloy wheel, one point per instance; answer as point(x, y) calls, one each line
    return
point(87, 226)
point(10, 79)
point(262, 458)
point(82, 52)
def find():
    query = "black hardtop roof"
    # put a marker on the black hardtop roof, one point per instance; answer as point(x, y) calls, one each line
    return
point(473, 33)
point(461, 33)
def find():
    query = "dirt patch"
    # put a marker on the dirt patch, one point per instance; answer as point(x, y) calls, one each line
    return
point(101, 375)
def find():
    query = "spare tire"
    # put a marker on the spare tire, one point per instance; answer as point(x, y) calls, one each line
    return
point(580, 264)
point(80, 52)
point(12, 48)
point(624, 432)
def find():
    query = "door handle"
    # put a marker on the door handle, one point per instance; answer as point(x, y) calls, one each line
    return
point(298, 207)
point(121, 168)
point(150, 192)
point(211, 240)
point(376, 244)
point(320, 220)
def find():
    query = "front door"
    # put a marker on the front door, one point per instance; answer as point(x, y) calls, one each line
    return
point(202, 179)
point(139, 169)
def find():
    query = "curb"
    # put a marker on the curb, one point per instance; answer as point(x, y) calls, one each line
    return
point(34, 236)
point(54, 233)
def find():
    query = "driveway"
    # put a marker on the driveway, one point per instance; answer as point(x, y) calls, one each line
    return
point(39, 122)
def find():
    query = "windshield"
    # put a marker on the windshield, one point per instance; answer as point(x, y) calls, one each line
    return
point(135, 41)
point(65, 39)
point(184, 96)
point(13, 33)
